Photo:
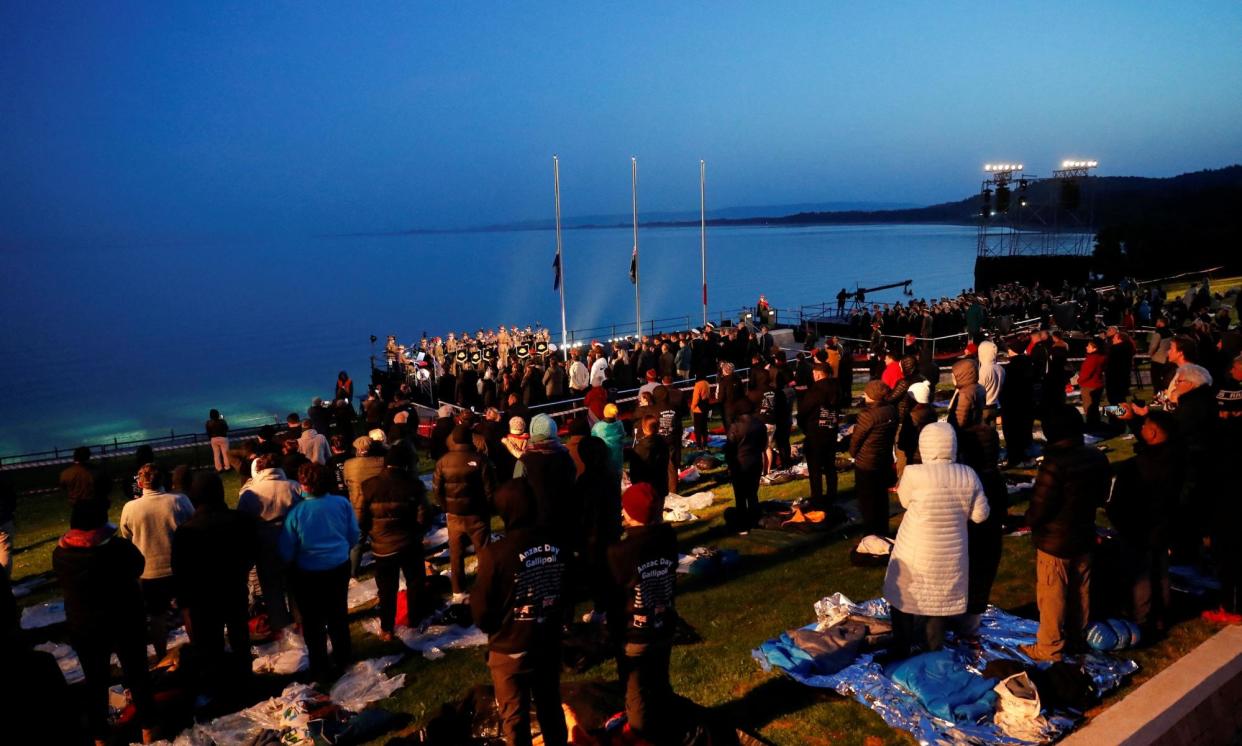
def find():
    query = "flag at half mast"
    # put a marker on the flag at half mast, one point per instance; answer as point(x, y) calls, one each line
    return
point(556, 266)
point(634, 266)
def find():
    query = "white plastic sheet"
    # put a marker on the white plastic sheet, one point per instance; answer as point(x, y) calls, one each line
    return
point(365, 682)
point(697, 501)
point(435, 639)
point(678, 515)
point(287, 655)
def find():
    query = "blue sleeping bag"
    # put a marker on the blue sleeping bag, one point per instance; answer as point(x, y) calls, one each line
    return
point(944, 686)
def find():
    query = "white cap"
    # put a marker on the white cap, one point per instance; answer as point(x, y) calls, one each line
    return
point(921, 392)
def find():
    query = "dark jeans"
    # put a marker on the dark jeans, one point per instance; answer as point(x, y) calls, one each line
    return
point(746, 490)
point(984, 542)
point(871, 489)
point(157, 594)
point(1148, 571)
point(388, 572)
point(782, 447)
point(207, 624)
point(598, 576)
point(913, 630)
point(94, 652)
point(462, 528)
point(674, 461)
point(821, 465)
point(1091, 407)
point(272, 575)
point(700, 429)
point(535, 675)
point(643, 670)
point(1117, 391)
point(322, 597)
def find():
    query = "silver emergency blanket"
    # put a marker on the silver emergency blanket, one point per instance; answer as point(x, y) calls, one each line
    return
point(1000, 635)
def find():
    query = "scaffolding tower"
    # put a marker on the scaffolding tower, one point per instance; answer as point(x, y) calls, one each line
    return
point(1021, 214)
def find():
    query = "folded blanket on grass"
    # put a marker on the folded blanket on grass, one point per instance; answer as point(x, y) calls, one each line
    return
point(870, 684)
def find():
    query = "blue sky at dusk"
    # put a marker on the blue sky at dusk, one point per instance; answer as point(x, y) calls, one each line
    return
point(132, 122)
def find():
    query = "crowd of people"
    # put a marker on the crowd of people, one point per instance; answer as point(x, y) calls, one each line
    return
point(582, 513)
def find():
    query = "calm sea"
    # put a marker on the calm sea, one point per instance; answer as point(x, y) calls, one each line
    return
point(127, 342)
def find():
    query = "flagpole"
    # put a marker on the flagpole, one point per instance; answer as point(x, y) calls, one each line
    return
point(556, 188)
point(638, 312)
point(703, 232)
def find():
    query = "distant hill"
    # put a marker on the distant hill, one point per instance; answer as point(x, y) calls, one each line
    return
point(1116, 199)
point(692, 216)
point(1144, 226)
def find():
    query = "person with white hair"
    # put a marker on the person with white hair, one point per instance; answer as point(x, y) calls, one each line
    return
point(917, 416)
point(444, 424)
point(368, 461)
point(927, 578)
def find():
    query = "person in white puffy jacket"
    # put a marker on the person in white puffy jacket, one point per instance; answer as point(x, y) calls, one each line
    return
point(927, 576)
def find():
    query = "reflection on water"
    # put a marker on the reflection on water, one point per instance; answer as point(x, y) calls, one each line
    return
point(131, 341)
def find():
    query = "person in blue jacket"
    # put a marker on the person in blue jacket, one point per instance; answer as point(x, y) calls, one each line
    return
point(318, 533)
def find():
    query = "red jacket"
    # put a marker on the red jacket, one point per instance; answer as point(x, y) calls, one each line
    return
point(892, 374)
point(1091, 375)
point(595, 400)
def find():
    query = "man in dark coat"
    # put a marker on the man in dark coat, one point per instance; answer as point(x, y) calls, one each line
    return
point(440, 430)
point(1142, 505)
point(550, 471)
point(82, 480)
point(517, 600)
point(642, 617)
point(871, 446)
point(745, 443)
point(599, 489)
point(464, 485)
point(212, 553)
point(649, 459)
point(819, 412)
point(1017, 400)
point(666, 401)
point(1072, 483)
point(393, 515)
point(98, 573)
point(729, 392)
point(1119, 367)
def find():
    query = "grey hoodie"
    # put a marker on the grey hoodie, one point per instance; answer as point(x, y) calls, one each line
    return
point(991, 375)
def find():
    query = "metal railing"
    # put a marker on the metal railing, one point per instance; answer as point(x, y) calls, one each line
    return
point(119, 447)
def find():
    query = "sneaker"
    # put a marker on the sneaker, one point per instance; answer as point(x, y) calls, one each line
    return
point(765, 479)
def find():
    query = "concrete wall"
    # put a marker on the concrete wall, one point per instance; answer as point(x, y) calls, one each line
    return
point(1197, 700)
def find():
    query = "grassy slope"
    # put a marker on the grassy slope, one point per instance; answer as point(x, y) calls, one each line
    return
point(781, 576)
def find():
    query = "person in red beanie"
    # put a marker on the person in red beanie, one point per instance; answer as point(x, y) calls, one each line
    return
point(642, 617)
